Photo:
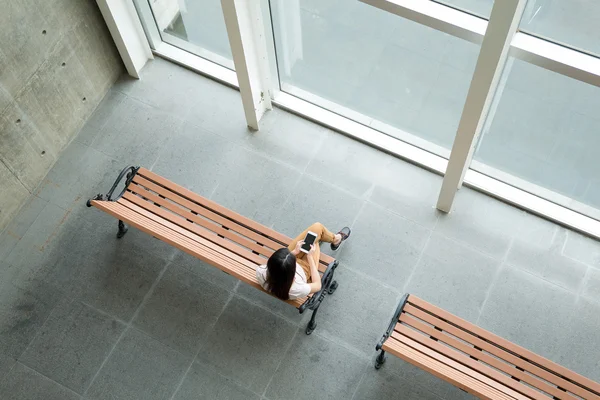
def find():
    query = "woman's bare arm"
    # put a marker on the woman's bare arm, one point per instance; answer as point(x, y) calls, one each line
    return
point(315, 285)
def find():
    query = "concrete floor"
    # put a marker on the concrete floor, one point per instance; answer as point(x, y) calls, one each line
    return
point(83, 315)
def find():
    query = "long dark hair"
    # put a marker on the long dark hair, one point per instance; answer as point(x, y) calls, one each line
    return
point(281, 269)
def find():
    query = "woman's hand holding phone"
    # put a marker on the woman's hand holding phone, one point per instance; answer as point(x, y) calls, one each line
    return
point(296, 251)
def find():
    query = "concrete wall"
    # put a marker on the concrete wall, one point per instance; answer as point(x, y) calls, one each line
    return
point(57, 61)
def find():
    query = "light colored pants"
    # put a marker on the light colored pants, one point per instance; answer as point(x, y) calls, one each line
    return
point(323, 235)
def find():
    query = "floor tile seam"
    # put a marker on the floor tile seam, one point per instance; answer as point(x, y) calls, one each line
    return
point(196, 124)
point(355, 270)
point(283, 357)
point(471, 247)
point(562, 251)
point(37, 334)
point(170, 136)
point(584, 282)
point(214, 324)
point(183, 376)
point(368, 277)
point(266, 308)
point(342, 343)
point(80, 396)
point(417, 263)
point(493, 283)
point(503, 264)
point(323, 133)
point(542, 278)
point(201, 347)
point(199, 274)
point(111, 158)
point(144, 102)
point(37, 218)
point(16, 175)
point(6, 228)
point(333, 185)
point(91, 383)
point(404, 217)
point(11, 367)
point(267, 156)
point(149, 293)
point(287, 201)
point(539, 276)
point(58, 156)
point(364, 374)
point(91, 146)
point(104, 122)
point(214, 370)
point(102, 312)
point(358, 214)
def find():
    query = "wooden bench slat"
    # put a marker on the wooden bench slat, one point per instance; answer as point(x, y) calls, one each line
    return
point(490, 337)
point(250, 265)
point(219, 214)
point(473, 366)
point(446, 371)
point(282, 239)
point(160, 228)
point(487, 359)
point(179, 241)
point(217, 219)
point(154, 228)
point(499, 352)
point(210, 226)
point(196, 229)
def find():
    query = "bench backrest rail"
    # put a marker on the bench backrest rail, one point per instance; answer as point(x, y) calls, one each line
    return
point(203, 217)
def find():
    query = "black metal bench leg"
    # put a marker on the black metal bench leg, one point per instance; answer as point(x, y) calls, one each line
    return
point(332, 287)
point(312, 323)
point(122, 229)
point(380, 360)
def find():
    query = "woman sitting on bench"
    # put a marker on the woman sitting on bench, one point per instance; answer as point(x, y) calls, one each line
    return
point(289, 272)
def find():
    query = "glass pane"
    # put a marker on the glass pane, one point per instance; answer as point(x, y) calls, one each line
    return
point(543, 136)
point(399, 77)
point(571, 22)
point(482, 8)
point(194, 25)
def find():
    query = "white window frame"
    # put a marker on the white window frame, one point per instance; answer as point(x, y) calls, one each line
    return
point(541, 52)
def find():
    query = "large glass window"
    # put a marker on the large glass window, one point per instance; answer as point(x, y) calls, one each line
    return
point(571, 22)
point(544, 137)
point(196, 26)
point(397, 76)
point(482, 8)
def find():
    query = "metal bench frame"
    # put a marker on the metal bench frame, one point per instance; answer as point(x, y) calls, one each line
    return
point(328, 284)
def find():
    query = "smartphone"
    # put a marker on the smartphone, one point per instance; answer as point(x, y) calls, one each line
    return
point(308, 241)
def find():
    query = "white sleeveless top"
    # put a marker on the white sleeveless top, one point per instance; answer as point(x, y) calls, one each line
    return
point(300, 287)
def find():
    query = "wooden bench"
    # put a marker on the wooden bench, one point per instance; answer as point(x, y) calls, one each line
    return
point(200, 227)
point(475, 360)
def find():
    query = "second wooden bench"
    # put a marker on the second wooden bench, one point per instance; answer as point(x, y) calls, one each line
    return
point(475, 360)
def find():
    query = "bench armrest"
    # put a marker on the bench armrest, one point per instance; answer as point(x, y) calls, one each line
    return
point(130, 172)
point(393, 322)
point(316, 299)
